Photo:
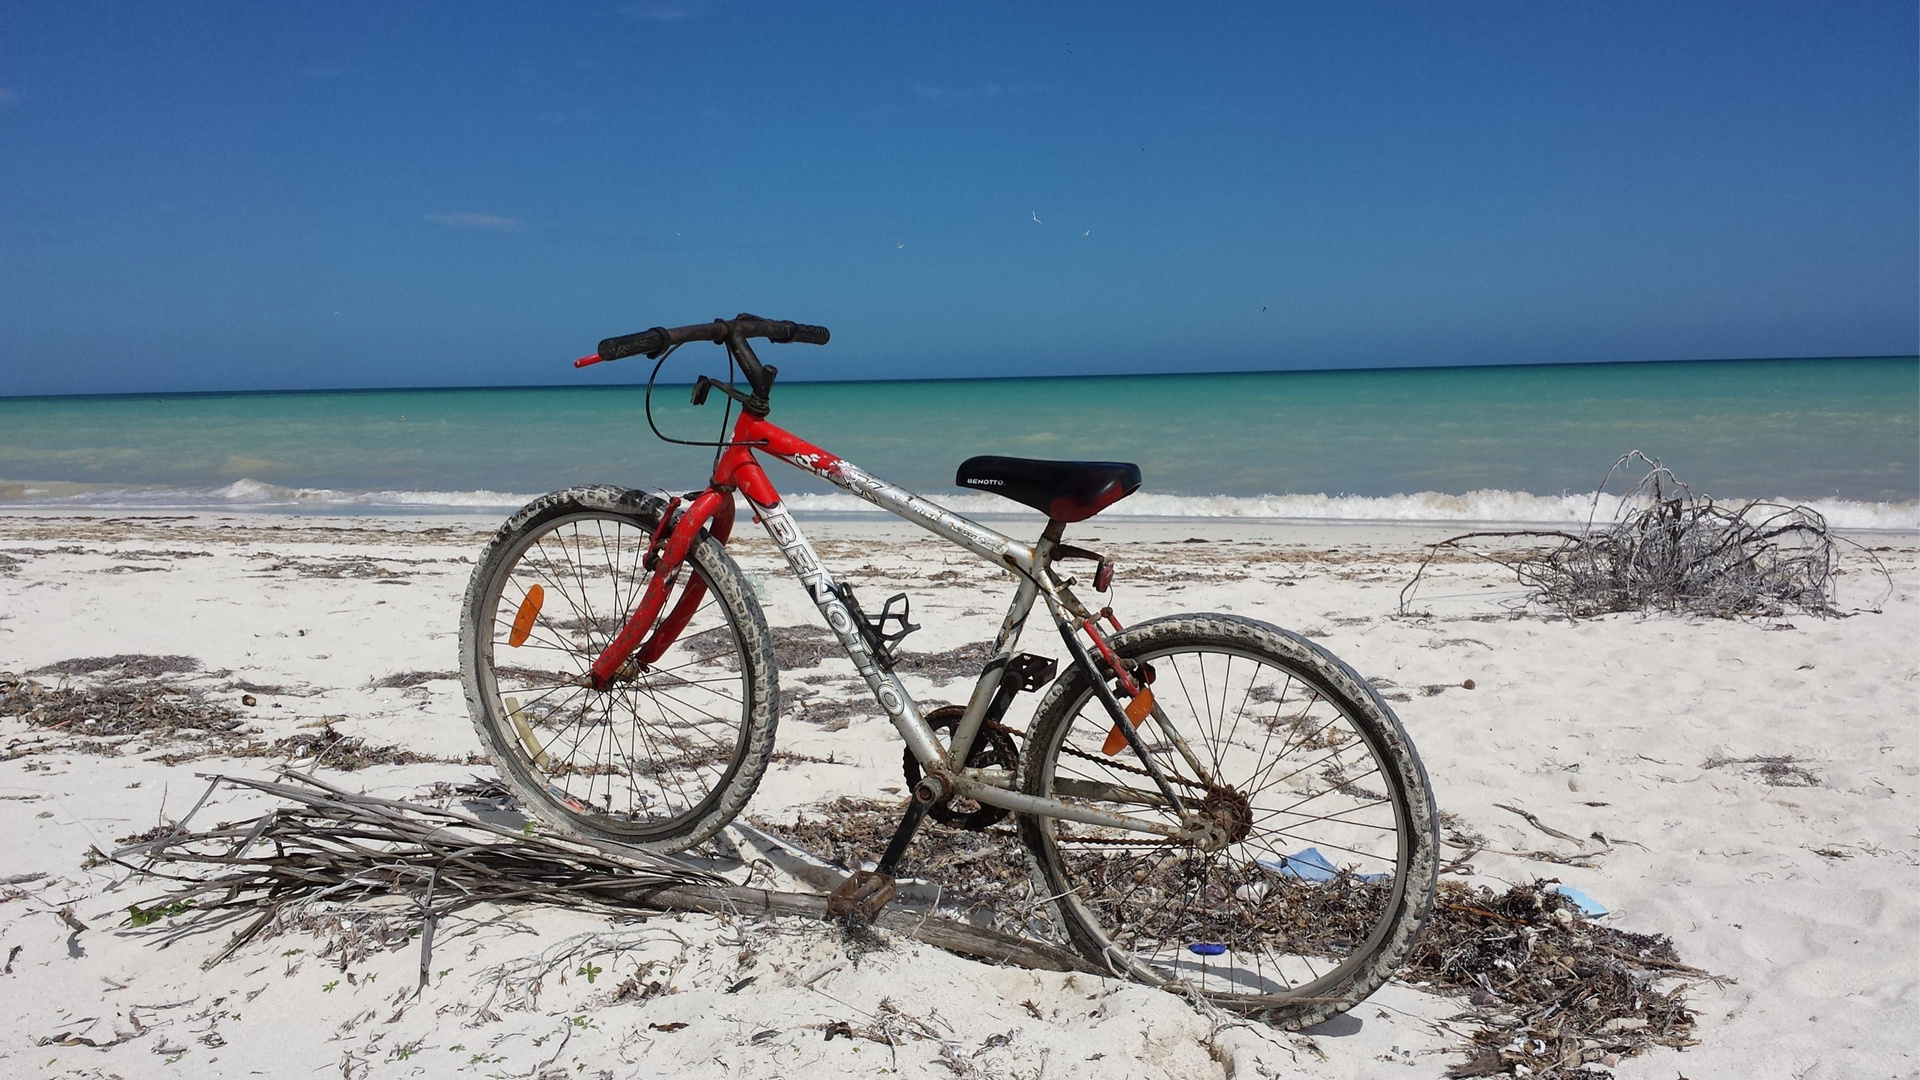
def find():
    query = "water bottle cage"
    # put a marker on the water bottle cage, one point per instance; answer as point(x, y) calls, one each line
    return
point(882, 643)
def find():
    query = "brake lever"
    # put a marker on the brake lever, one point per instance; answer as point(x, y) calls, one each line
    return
point(703, 384)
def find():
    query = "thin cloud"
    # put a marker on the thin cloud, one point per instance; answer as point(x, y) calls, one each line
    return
point(476, 221)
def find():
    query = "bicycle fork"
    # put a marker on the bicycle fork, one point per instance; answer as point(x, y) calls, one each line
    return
point(665, 559)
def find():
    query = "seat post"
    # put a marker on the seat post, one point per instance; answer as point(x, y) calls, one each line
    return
point(1054, 531)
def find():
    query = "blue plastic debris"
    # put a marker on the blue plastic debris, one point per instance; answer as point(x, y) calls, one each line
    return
point(1588, 906)
point(1310, 865)
point(1206, 948)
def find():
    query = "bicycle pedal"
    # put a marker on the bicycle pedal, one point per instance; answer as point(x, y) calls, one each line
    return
point(862, 895)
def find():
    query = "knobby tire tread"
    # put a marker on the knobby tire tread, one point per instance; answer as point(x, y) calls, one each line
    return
point(729, 588)
point(1287, 652)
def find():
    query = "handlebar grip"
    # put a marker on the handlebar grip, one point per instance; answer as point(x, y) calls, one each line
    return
point(809, 335)
point(651, 342)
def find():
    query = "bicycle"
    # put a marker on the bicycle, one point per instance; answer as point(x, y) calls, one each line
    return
point(1210, 803)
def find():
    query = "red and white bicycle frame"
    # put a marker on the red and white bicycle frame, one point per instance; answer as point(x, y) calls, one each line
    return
point(646, 635)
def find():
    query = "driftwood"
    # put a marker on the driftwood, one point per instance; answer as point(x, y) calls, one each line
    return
point(329, 844)
point(1668, 549)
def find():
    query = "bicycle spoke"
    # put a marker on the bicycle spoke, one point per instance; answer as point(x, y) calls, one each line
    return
point(655, 746)
point(1270, 915)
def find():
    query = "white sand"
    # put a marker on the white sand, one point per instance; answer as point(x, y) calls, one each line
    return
point(1802, 898)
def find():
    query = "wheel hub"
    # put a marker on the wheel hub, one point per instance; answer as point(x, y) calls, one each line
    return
point(1229, 809)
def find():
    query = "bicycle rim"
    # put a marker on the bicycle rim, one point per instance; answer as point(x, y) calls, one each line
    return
point(1305, 903)
point(651, 755)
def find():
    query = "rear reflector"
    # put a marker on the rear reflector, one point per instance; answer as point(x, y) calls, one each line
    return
point(1136, 710)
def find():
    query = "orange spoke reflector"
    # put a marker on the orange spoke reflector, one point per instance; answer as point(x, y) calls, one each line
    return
point(523, 619)
point(1136, 711)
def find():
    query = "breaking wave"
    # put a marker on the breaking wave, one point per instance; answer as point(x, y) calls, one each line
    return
point(1473, 508)
point(1489, 507)
point(247, 494)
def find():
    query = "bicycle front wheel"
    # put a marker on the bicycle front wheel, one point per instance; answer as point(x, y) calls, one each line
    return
point(669, 753)
point(1329, 869)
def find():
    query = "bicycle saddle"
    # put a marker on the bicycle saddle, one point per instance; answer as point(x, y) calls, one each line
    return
point(1062, 490)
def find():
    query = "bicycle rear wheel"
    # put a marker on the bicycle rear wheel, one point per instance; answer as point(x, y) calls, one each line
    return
point(1330, 869)
point(671, 752)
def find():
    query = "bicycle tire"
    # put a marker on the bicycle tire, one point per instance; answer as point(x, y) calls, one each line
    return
point(668, 755)
point(1269, 926)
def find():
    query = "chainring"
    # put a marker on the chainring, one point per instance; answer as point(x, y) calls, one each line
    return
point(992, 748)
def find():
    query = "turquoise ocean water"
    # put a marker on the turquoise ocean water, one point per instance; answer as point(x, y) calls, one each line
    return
point(1466, 444)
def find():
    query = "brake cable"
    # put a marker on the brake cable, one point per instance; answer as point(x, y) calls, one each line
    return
point(725, 418)
point(726, 414)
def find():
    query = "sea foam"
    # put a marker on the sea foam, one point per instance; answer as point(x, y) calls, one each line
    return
point(1475, 508)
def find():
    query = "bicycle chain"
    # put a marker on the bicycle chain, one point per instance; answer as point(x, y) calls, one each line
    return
point(1111, 763)
point(1122, 767)
point(1136, 770)
point(1121, 842)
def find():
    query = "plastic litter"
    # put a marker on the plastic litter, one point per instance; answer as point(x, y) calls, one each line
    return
point(1309, 865)
point(1588, 906)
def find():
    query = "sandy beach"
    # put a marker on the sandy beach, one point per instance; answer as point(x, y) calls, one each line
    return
point(1746, 787)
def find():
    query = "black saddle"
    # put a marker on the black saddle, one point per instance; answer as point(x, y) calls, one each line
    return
point(1062, 490)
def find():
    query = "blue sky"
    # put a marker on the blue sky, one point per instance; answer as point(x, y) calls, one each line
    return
point(237, 196)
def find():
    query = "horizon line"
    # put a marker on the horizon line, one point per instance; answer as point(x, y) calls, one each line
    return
point(974, 378)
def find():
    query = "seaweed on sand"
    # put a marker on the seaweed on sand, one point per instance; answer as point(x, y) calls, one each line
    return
point(326, 747)
point(983, 874)
point(125, 665)
point(1552, 993)
point(185, 723)
point(99, 719)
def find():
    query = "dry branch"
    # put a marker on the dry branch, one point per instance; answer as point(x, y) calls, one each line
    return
point(329, 844)
point(1668, 549)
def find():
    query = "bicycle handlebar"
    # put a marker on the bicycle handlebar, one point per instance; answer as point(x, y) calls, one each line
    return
point(732, 332)
point(659, 339)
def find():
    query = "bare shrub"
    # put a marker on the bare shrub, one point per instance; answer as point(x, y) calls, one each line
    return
point(1669, 549)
